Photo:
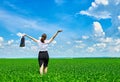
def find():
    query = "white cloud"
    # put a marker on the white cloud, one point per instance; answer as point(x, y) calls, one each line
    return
point(78, 41)
point(54, 42)
point(39, 38)
point(99, 14)
point(10, 5)
point(117, 42)
point(0, 45)
point(102, 12)
point(117, 48)
point(20, 34)
point(103, 2)
point(14, 7)
point(106, 40)
point(80, 46)
point(1, 39)
point(1, 42)
point(59, 2)
point(117, 2)
point(94, 5)
point(98, 29)
point(28, 42)
point(34, 48)
point(85, 13)
point(119, 17)
point(100, 45)
point(90, 49)
point(105, 9)
point(108, 44)
point(22, 23)
point(10, 42)
point(85, 37)
point(68, 42)
point(119, 28)
point(114, 48)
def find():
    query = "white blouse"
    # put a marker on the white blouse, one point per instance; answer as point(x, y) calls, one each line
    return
point(43, 46)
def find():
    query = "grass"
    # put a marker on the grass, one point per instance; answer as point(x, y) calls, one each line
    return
point(61, 70)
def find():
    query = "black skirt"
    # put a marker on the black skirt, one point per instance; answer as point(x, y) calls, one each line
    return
point(43, 58)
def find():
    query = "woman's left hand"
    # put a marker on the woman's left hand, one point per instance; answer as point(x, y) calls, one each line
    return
point(59, 31)
point(24, 35)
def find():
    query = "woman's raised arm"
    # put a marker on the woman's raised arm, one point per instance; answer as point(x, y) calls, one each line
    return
point(52, 38)
point(35, 40)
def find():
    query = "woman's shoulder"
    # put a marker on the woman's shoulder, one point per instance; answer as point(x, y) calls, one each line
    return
point(38, 41)
point(47, 41)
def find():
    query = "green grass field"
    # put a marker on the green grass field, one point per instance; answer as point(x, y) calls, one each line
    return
point(61, 70)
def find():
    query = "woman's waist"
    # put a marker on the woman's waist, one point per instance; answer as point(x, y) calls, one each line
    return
point(43, 51)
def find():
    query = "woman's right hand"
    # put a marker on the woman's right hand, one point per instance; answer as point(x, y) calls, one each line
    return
point(24, 35)
point(59, 31)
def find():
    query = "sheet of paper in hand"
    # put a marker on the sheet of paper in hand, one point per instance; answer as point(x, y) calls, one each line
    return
point(22, 42)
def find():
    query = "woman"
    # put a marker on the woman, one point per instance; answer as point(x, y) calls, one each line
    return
point(43, 56)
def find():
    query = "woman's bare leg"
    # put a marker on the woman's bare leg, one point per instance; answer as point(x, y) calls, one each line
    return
point(41, 69)
point(45, 70)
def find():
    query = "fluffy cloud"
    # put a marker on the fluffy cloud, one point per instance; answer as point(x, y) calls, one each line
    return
point(68, 42)
point(117, 2)
point(79, 44)
point(116, 46)
point(24, 23)
point(85, 37)
point(20, 34)
point(105, 9)
point(10, 42)
point(93, 10)
point(35, 48)
point(59, 2)
point(108, 44)
point(1, 39)
point(102, 12)
point(97, 3)
point(103, 2)
point(1, 42)
point(98, 29)
point(106, 40)
point(114, 49)
point(90, 49)
point(117, 49)
point(119, 28)
point(98, 15)
point(78, 41)
point(100, 45)
point(54, 42)
point(117, 41)
point(119, 17)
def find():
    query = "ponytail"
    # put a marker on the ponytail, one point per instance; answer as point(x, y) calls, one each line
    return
point(43, 38)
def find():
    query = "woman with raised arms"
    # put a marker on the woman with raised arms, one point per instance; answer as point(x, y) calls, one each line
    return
point(43, 56)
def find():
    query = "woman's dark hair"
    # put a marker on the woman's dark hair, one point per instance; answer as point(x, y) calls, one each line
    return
point(43, 37)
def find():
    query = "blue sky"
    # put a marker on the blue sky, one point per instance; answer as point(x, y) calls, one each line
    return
point(91, 28)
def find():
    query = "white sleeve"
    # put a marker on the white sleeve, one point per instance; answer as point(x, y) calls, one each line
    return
point(38, 41)
point(47, 41)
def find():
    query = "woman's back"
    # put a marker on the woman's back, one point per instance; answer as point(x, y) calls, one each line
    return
point(43, 46)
